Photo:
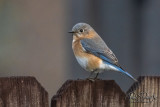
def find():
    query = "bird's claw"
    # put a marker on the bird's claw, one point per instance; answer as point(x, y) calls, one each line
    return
point(92, 79)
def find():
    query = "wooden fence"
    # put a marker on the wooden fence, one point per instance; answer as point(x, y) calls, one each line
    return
point(106, 93)
point(27, 92)
point(22, 92)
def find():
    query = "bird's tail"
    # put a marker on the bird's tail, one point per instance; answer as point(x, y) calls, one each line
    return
point(120, 69)
point(124, 72)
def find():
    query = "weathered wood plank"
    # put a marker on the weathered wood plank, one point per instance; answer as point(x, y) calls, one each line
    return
point(145, 93)
point(22, 92)
point(84, 93)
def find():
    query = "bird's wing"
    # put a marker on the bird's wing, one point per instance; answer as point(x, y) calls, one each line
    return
point(98, 47)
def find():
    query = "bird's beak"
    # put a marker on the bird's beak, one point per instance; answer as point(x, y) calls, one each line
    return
point(71, 32)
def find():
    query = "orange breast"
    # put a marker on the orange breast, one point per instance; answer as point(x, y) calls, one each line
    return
point(93, 62)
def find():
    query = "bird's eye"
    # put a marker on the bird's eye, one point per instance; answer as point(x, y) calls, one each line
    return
point(81, 30)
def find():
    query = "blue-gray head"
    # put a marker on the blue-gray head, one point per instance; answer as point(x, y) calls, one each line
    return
point(81, 29)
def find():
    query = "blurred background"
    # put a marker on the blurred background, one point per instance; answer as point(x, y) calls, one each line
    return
point(34, 39)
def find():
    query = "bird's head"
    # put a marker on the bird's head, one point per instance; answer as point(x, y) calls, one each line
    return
point(82, 30)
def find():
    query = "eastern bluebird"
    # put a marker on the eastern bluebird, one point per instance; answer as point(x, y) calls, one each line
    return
point(91, 51)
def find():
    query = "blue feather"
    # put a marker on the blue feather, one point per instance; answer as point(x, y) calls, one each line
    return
point(105, 58)
point(121, 70)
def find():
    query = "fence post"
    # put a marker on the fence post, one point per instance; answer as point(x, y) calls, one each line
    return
point(22, 92)
point(145, 93)
point(84, 93)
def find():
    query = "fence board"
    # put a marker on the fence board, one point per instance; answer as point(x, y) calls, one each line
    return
point(84, 93)
point(145, 93)
point(22, 92)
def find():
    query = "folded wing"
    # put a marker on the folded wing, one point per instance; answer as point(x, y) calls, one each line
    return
point(98, 47)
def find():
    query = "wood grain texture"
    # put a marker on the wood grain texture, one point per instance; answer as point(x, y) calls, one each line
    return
point(22, 92)
point(84, 93)
point(145, 93)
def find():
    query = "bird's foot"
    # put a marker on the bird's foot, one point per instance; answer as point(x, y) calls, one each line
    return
point(92, 79)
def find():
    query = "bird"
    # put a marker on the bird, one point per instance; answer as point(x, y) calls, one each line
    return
point(92, 53)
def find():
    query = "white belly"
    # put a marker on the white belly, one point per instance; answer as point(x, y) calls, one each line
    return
point(106, 66)
point(103, 66)
point(82, 61)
